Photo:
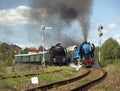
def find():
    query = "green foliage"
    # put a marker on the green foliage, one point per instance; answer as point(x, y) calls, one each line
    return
point(104, 87)
point(25, 51)
point(110, 51)
point(41, 48)
point(17, 84)
point(96, 53)
point(3, 50)
point(7, 53)
point(2, 67)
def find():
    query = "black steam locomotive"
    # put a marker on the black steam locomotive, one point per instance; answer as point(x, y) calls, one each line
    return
point(58, 55)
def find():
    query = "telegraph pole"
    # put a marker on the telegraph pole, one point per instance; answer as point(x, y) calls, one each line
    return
point(43, 45)
point(100, 35)
point(43, 27)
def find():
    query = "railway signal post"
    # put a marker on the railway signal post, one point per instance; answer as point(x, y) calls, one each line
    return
point(100, 35)
point(43, 28)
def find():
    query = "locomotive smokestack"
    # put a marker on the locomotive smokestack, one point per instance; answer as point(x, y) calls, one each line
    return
point(61, 13)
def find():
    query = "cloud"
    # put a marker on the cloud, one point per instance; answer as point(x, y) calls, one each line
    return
point(18, 15)
point(106, 26)
point(107, 29)
point(117, 37)
point(110, 26)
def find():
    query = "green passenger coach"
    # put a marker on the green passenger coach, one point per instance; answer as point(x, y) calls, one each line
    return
point(31, 58)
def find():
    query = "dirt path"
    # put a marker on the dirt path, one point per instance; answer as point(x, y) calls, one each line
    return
point(110, 83)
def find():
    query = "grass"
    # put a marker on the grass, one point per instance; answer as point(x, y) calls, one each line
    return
point(85, 80)
point(2, 67)
point(115, 68)
point(22, 73)
point(66, 72)
point(17, 84)
point(112, 81)
point(104, 88)
point(7, 85)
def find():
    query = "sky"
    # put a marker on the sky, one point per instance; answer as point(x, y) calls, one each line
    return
point(19, 25)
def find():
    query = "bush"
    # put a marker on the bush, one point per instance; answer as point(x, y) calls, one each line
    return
point(110, 61)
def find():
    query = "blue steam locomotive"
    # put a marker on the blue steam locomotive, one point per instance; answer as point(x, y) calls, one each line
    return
point(84, 54)
point(77, 54)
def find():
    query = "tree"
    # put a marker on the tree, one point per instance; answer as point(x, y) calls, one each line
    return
point(4, 47)
point(109, 50)
point(7, 53)
point(25, 51)
point(41, 48)
point(96, 53)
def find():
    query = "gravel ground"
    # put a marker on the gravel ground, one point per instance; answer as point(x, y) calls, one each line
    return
point(110, 83)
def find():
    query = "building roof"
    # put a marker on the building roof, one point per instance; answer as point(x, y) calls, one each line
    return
point(32, 49)
point(16, 46)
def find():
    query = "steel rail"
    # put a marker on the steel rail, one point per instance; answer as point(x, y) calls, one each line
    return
point(60, 83)
point(85, 86)
point(28, 74)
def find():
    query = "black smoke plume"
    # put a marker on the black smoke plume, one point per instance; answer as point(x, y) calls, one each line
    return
point(60, 14)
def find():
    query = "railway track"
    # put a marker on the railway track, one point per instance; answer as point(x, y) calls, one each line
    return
point(87, 85)
point(60, 83)
point(28, 74)
point(60, 86)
